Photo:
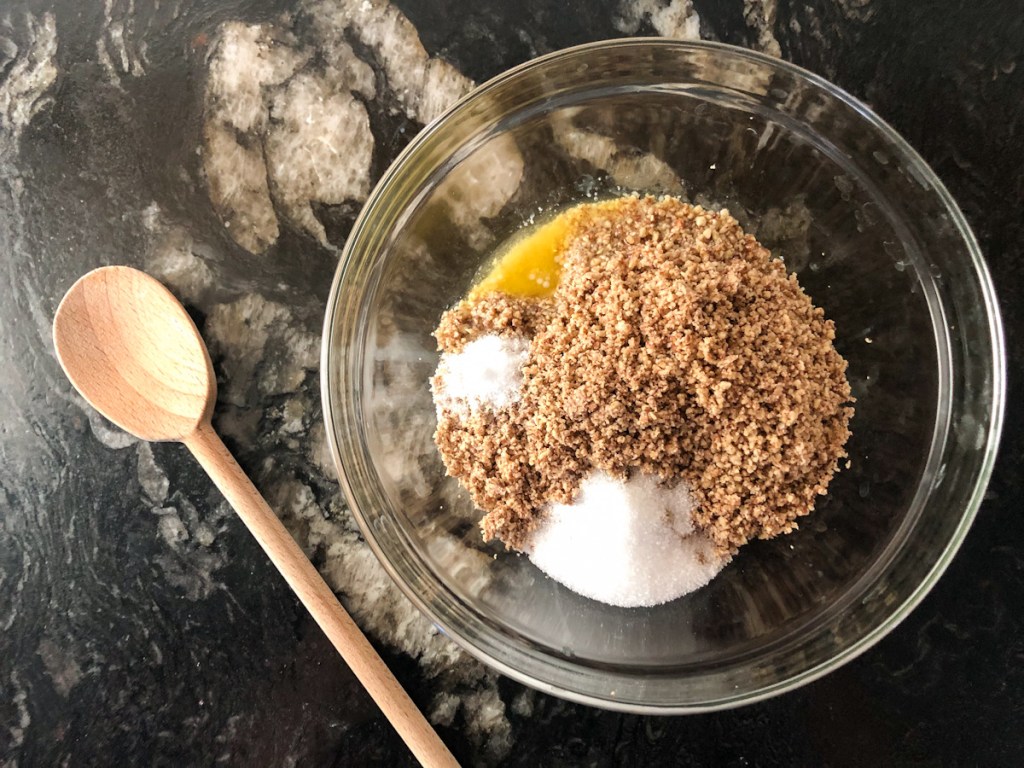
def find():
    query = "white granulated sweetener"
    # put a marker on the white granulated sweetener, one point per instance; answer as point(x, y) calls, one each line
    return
point(487, 372)
point(626, 543)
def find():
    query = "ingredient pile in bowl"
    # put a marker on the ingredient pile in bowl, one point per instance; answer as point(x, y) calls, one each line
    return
point(636, 390)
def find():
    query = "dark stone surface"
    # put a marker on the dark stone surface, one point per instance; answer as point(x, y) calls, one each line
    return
point(144, 627)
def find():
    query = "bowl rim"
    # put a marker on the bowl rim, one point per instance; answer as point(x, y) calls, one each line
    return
point(989, 449)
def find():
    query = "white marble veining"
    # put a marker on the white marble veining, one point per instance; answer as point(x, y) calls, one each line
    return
point(16, 731)
point(286, 123)
point(105, 432)
point(246, 61)
point(63, 669)
point(857, 10)
point(628, 169)
point(424, 86)
point(173, 258)
point(241, 332)
point(152, 480)
point(115, 54)
point(676, 19)
point(23, 88)
point(760, 16)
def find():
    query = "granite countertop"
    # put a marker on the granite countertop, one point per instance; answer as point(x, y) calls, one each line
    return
point(226, 147)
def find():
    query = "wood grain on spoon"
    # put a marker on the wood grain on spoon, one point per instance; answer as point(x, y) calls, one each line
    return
point(132, 351)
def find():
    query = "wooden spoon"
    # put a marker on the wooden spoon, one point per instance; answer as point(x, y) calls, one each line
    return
point(134, 353)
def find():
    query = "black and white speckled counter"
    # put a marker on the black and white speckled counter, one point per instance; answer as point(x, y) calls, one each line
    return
point(199, 140)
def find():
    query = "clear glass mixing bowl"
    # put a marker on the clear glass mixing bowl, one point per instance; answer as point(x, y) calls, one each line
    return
point(876, 240)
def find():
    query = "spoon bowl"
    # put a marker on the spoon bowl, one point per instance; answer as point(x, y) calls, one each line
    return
point(134, 354)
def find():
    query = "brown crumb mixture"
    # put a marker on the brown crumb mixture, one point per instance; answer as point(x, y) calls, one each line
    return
point(496, 313)
point(673, 345)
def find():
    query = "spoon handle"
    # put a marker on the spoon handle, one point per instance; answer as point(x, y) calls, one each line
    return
point(318, 598)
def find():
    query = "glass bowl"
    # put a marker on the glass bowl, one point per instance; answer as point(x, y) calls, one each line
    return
point(876, 241)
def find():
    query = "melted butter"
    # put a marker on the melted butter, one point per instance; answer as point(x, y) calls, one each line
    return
point(531, 264)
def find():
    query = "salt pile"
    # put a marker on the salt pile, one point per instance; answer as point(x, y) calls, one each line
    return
point(486, 372)
point(626, 543)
